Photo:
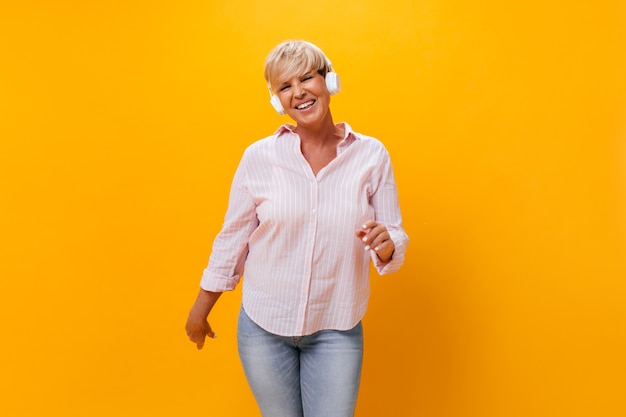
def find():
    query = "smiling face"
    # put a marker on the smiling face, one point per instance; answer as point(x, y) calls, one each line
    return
point(304, 97)
point(295, 72)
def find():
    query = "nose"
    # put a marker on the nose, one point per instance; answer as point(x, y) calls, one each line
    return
point(299, 90)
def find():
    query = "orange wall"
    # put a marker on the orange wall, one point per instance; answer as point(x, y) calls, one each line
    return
point(121, 124)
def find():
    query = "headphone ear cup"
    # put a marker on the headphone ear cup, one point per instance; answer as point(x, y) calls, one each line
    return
point(275, 101)
point(332, 83)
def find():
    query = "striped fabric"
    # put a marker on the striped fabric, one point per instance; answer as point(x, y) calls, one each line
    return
point(294, 233)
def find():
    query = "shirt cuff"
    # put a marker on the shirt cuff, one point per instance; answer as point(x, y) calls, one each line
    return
point(397, 259)
point(390, 267)
point(218, 283)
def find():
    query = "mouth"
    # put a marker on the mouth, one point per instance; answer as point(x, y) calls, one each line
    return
point(306, 105)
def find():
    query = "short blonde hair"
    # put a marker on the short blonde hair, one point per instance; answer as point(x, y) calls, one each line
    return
point(290, 57)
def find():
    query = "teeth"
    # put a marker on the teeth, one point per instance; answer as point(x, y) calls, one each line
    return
point(305, 105)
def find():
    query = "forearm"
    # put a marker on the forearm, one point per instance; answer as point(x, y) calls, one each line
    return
point(205, 302)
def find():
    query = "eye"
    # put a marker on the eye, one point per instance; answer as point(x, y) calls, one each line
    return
point(284, 87)
point(307, 78)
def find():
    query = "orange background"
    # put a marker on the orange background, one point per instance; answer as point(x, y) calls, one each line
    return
point(121, 124)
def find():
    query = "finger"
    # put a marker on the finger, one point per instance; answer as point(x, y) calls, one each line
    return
point(363, 231)
point(200, 345)
point(209, 332)
point(197, 337)
point(366, 232)
point(380, 238)
point(380, 246)
point(385, 250)
point(370, 224)
point(374, 238)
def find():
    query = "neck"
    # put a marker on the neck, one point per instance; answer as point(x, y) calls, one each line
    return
point(320, 134)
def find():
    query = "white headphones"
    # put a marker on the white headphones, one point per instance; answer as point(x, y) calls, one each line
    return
point(332, 84)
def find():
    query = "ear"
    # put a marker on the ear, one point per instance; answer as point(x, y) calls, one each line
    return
point(332, 82)
point(275, 101)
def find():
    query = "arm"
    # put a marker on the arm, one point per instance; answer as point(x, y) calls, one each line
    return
point(227, 259)
point(230, 247)
point(384, 235)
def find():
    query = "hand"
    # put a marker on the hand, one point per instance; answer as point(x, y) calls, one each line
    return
point(375, 237)
point(198, 329)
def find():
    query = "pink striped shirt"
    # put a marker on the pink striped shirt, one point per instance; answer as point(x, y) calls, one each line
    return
point(294, 233)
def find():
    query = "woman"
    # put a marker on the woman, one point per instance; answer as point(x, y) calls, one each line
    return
point(309, 206)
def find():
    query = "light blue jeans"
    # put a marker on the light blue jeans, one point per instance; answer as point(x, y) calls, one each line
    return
point(308, 376)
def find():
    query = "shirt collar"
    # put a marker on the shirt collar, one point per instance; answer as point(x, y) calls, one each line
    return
point(348, 136)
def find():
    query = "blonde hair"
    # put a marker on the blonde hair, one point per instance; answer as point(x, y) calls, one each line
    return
point(291, 57)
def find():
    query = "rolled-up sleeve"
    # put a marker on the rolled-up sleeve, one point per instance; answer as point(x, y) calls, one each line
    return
point(387, 211)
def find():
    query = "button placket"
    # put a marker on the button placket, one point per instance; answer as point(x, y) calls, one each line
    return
point(310, 248)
